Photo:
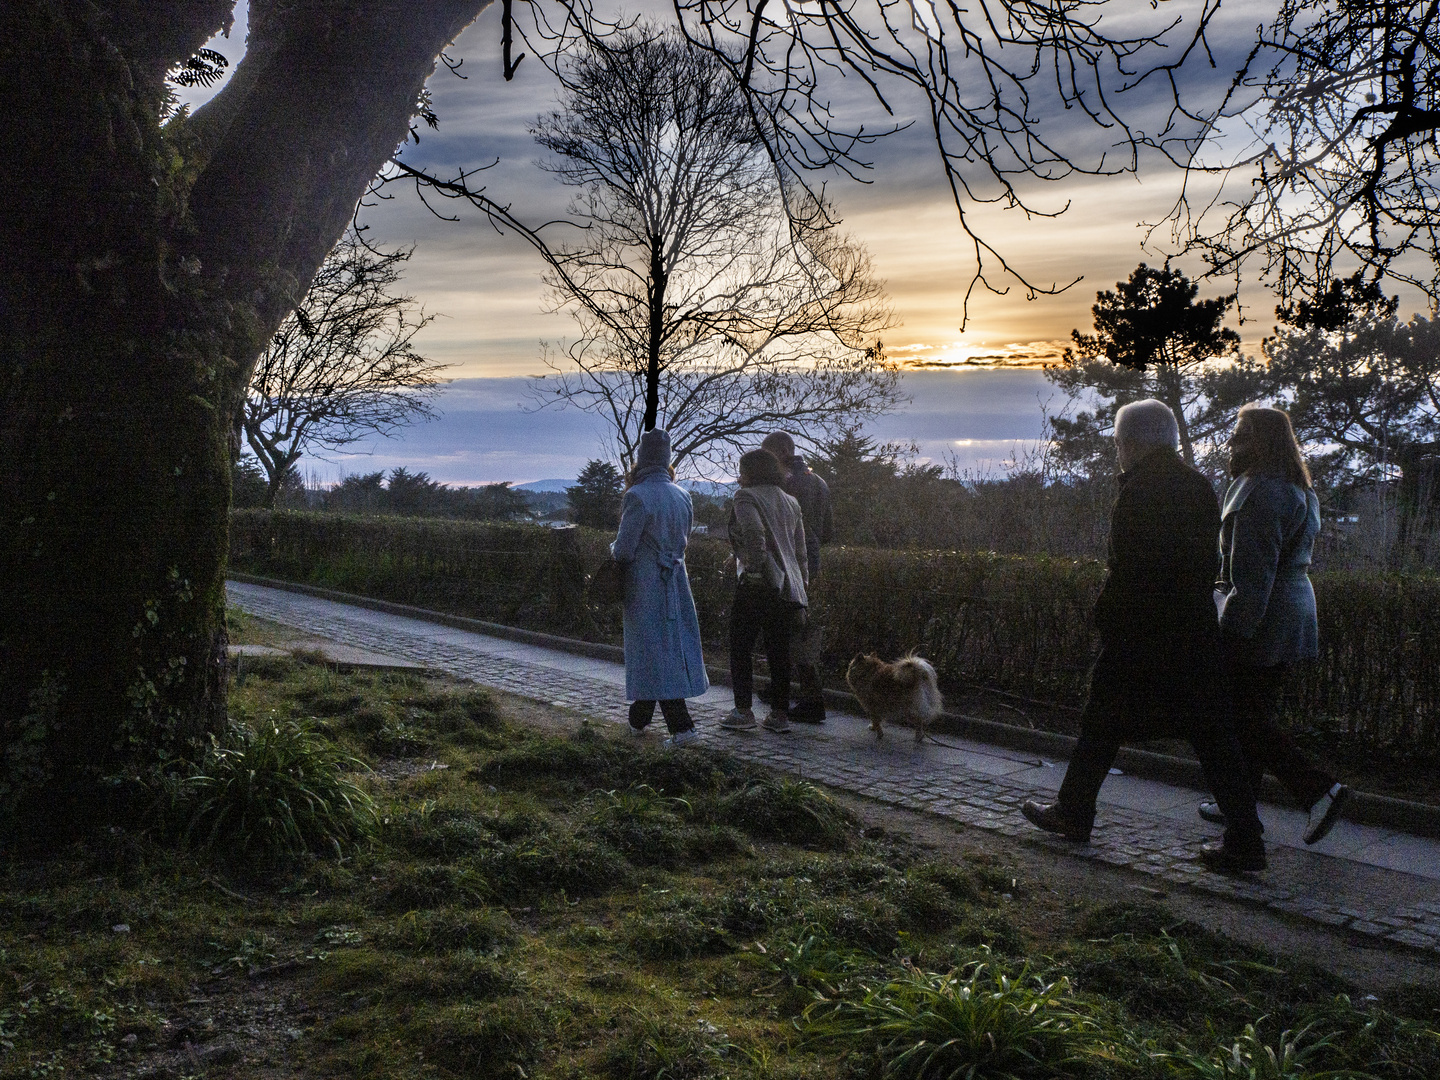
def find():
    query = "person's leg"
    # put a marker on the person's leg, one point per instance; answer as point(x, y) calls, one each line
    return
point(1228, 775)
point(640, 714)
point(1266, 745)
point(1089, 765)
point(777, 653)
point(805, 671)
point(677, 715)
point(744, 629)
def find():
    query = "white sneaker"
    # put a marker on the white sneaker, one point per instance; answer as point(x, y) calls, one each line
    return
point(776, 720)
point(635, 732)
point(681, 738)
point(1325, 813)
point(738, 719)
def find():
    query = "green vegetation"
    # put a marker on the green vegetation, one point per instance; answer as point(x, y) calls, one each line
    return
point(1007, 622)
point(535, 899)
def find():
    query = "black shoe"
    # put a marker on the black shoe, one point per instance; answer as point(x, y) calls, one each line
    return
point(808, 712)
point(1229, 860)
point(1050, 818)
point(1211, 812)
point(1325, 812)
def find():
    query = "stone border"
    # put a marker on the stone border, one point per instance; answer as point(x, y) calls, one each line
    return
point(1364, 808)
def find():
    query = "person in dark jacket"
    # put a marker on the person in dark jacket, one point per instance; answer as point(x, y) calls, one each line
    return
point(813, 495)
point(1267, 606)
point(1159, 672)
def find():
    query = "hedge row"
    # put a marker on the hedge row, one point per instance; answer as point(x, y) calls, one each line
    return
point(1015, 623)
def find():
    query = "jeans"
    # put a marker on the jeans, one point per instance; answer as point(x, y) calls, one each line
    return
point(1255, 694)
point(757, 608)
point(675, 711)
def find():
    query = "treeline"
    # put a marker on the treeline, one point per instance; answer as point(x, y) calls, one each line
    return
point(400, 493)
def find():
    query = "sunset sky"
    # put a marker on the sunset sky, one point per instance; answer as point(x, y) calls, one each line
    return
point(486, 286)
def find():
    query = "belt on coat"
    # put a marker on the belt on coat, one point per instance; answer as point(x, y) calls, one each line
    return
point(670, 582)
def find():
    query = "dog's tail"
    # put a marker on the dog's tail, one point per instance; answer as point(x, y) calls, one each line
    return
point(918, 674)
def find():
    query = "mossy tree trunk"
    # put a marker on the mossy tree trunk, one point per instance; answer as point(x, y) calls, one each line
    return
point(143, 268)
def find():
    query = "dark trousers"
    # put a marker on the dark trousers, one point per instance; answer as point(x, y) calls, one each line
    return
point(804, 660)
point(675, 711)
point(757, 608)
point(1255, 696)
point(1131, 699)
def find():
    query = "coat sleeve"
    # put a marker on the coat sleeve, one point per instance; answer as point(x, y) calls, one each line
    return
point(826, 524)
point(633, 517)
point(800, 548)
point(747, 534)
point(1110, 604)
point(1255, 543)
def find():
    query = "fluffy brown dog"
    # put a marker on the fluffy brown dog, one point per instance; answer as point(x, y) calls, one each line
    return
point(902, 691)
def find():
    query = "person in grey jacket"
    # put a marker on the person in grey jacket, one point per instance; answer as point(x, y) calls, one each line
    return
point(1266, 604)
point(767, 534)
point(663, 661)
point(817, 508)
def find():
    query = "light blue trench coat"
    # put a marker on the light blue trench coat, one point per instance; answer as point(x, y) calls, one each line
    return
point(663, 660)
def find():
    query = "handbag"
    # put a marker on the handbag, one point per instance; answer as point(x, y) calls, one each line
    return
point(607, 583)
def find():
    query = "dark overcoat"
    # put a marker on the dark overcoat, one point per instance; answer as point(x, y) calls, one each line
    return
point(1159, 664)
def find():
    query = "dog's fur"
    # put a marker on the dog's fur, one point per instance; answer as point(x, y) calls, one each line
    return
point(904, 691)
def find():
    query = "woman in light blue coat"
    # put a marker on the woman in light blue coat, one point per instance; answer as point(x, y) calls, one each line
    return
point(663, 661)
point(1269, 522)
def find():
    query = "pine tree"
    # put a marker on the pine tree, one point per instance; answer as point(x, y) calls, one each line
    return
point(595, 498)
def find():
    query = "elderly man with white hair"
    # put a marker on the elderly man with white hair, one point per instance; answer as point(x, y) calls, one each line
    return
point(1160, 671)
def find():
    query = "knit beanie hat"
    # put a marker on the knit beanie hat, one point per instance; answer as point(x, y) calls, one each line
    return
point(654, 449)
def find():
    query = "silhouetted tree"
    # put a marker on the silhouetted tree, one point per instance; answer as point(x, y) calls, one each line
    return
point(341, 367)
point(1152, 339)
point(596, 496)
point(704, 299)
point(1342, 103)
point(150, 254)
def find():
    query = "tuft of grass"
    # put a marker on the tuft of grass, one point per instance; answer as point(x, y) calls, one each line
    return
point(647, 827)
point(790, 811)
point(652, 1048)
point(972, 1024)
point(277, 790)
point(1251, 1057)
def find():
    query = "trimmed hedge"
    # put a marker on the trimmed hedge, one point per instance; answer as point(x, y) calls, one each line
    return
point(1015, 623)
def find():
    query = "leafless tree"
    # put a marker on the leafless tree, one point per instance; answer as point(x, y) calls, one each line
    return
point(1321, 161)
point(342, 366)
point(701, 301)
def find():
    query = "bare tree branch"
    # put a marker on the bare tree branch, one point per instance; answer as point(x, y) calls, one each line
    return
point(1321, 161)
point(341, 366)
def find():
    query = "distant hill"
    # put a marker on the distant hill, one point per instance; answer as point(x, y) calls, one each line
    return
point(546, 485)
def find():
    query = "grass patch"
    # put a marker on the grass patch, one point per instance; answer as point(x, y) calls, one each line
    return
point(568, 906)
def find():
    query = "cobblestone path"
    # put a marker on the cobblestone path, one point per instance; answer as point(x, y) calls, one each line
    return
point(1372, 882)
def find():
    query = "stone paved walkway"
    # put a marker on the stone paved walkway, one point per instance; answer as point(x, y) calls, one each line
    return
point(1370, 881)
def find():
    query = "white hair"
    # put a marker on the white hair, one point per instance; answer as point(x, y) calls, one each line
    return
point(1147, 423)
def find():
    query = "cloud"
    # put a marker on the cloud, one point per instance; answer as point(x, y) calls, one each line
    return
point(488, 430)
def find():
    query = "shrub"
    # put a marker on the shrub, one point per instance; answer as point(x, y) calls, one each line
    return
point(1018, 623)
point(277, 789)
